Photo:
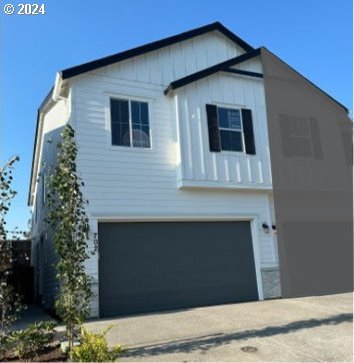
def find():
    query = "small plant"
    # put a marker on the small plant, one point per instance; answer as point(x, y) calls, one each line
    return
point(4, 345)
point(10, 302)
point(94, 348)
point(69, 225)
point(33, 340)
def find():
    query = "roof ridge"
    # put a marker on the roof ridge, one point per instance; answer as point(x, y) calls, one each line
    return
point(155, 45)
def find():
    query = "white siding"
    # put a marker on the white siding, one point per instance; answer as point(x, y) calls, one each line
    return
point(123, 183)
point(142, 184)
point(252, 65)
point(273, 222)
point(199, 166)
point(53, 121)
point(163, 66)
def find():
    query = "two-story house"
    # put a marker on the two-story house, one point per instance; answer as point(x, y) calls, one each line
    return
point(174, 152)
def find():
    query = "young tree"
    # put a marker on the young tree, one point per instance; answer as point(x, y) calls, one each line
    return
point(10, 302)
point(70, 230)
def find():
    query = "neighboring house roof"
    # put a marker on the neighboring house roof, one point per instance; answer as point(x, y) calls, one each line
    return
point(306, 79)
point(223, 66)
point(106, 61)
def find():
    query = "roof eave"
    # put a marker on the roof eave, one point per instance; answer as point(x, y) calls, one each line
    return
point(211, 70)
point(103, 62)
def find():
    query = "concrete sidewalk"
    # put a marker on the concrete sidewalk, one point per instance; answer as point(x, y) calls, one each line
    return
point(293, 330)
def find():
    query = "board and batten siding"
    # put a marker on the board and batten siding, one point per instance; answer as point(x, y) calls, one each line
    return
point(167, 64)
point(252, 65)
point(201, 167)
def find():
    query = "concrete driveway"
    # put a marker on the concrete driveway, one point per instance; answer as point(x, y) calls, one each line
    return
point(292, 330)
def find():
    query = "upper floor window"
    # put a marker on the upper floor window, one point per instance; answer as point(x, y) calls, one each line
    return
point(130, 124)
point(230, 128)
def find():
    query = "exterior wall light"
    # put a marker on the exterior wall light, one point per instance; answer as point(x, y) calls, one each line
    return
point(274, 228)
point(265, 227)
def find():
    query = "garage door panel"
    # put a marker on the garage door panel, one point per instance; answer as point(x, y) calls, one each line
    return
point(172, 300)
point(155, 266)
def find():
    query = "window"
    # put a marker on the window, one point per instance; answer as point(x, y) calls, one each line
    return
point(300, 136)
point(230, 128)
point(130, 123)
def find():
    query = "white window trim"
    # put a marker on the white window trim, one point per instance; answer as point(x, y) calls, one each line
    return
point(130, 119)
point(243, 152)
point(108, 126)
point(129, 98)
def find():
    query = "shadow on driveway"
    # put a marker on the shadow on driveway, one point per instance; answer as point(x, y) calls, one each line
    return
point(207, 342)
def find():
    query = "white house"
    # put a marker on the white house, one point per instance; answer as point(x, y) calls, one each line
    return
point(174, 152)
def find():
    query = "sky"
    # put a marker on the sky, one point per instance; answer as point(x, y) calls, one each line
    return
point(313, 36)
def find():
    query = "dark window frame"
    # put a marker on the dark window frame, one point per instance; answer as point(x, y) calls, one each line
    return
point(129, 100)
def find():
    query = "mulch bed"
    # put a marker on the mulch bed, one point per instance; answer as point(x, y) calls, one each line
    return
point(51, 354)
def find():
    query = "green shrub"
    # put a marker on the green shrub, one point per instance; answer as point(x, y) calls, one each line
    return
point(33, 340)
point(94, 348)
point(4, 346)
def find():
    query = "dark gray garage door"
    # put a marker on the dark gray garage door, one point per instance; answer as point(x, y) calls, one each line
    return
point(159, 266)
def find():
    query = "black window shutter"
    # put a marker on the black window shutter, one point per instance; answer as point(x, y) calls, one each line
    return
point(213, 127)
point(248, 131)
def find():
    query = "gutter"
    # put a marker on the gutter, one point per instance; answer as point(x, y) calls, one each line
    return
point(48, 100)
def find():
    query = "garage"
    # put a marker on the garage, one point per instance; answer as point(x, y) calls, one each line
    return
point(156, 266)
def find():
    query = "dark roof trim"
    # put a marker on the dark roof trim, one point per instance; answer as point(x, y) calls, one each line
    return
point(244, 73)
point(47, 98)
point(306, 79)
point(106, 61)
point(33, 156)
point(225, 67)
point(211, 70)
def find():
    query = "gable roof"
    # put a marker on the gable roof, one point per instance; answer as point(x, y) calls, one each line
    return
point(102, 62)
point(225, 67)
point(106, 61)
point(213, 69)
